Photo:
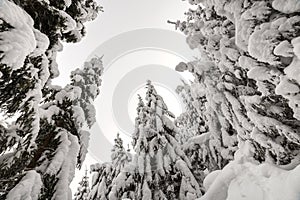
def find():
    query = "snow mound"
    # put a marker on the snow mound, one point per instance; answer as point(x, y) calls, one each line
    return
point(250, 181)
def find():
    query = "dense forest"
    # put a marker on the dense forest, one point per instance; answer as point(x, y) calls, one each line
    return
point(238, 137)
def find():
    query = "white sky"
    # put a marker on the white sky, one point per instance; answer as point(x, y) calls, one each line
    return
point(119, 16)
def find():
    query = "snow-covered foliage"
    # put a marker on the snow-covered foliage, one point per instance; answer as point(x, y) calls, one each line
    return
point(32, 180)
point(61, 142)
point(43, 136)
point(105, 173)
point(19, 39)
point(119, 156)
point(193, 129)
point(248, 94)
point(160, 169)
point(191, 122)
point(289, 6)
point(248, 75)
point(83, 190)
point(216, 108)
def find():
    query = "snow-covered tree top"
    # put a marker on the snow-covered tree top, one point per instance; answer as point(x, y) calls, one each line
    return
point(159, 169)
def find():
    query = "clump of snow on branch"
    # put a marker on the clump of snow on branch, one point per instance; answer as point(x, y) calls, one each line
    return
point(289, 6)
point(19, 41)
point(29, 188)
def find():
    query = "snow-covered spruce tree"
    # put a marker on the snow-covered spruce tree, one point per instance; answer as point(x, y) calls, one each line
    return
point(105, 173)
point(119, 156)
point(191, 125)
point(216, 147)
point(191, 122)
point(160, 169)
point(61, 142)
point(39, 149)
point(249, 52)
point(83, 190)
point(212, 149)
point(101, 180)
